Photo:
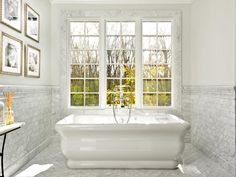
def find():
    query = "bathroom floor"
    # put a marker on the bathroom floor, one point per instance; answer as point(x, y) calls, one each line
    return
point(196, 164)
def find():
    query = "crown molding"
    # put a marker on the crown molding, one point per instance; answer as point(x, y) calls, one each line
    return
point(121, 1)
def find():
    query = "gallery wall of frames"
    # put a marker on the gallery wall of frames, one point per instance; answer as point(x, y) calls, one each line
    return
point(18, 58)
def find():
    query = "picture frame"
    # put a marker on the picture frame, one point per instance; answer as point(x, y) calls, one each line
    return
point(32, 23)
point(11, 51)
point(11, 14)
point(32, 61)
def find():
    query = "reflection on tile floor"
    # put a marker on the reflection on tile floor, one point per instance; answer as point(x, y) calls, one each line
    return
point(195, 165)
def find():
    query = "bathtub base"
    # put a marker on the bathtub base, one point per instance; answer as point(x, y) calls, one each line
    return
point(123, 164)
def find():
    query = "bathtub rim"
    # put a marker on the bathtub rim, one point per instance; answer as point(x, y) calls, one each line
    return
point(171, 126)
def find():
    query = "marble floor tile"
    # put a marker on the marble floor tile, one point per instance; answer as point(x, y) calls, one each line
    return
point(196, 164)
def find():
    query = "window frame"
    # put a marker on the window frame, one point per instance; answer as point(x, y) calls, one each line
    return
point(105, 55)
point(172, 63)
point(69, 63)
point(102, 63)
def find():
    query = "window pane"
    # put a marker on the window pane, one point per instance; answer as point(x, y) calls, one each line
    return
point(77, 85)
point(149, 43)
point(92, 71)
point(111, 83)
point(92, 42)
point(92, 28)
point(78, 43)
point(113, 56)
point(164, 28)
point(128, 71)
point(77, 28)
point(91, 100)
point(164, 42)
point(77, 57)
point(129, 99)
point(92, 85)
point(113, 28)
point(149, 71)
point(149, 57)
point(149, 85)
point(127, 43)
point(129, 82)
point(164, 71)
point(109, 98)
point(113, 70)
point(127, 56)
point(164, 56)
point(77, 100)
point(149, 28)
point(91, 56)
point(164, 99)
point(77, 71)
point(128, 28)
point(164, 85)
point(113, 42)
point(149, 99)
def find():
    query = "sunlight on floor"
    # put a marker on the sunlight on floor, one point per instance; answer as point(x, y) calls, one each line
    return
point(34, 170)
point(188, 169)
point(181, 168)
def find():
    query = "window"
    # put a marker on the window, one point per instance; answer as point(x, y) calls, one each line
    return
point(84, 81)
point(156, 51)
point(125, 46)
point(120, 64)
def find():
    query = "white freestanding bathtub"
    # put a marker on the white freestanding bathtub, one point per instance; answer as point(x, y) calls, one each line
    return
point(95, 141)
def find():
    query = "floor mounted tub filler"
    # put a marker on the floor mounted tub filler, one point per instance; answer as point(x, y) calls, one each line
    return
point(95, 141)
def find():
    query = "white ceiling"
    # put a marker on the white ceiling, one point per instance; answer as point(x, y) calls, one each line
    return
point(121, 1)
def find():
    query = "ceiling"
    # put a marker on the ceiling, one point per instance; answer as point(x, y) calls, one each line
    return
point(121, 1)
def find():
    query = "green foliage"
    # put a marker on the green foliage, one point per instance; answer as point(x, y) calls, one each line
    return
point(164, 99)
point(149, 99)
point(77, 85)
point(91, 100)
point(92, 85)
point(164, 85)
point(149, 85)
point(77, 99)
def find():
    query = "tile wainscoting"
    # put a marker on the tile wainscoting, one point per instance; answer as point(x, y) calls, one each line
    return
point(211, 111)
point(36, 106)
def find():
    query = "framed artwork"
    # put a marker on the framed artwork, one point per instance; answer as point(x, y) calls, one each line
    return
point(32, 61)
point(32, 23)
point(11, 13)
point(11, 55)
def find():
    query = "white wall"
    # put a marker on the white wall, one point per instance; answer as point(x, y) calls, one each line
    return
point(212, 43)
point(43, 7)
point(56, 26)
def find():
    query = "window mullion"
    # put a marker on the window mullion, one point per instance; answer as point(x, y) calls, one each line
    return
point(102, 64)
point(138, 64)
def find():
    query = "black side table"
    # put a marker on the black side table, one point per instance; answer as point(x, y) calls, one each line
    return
point(4, 130)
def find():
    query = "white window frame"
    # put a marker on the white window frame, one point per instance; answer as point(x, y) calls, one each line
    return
point(138, 64)
point(172, 63)
point(105, 51)
point(69, 62)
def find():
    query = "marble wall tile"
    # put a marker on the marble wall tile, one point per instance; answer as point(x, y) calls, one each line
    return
point(32, 105)
point(56, 111)
point(211, 111)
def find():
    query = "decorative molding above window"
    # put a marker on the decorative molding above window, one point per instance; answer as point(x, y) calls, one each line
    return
point(121, 1)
